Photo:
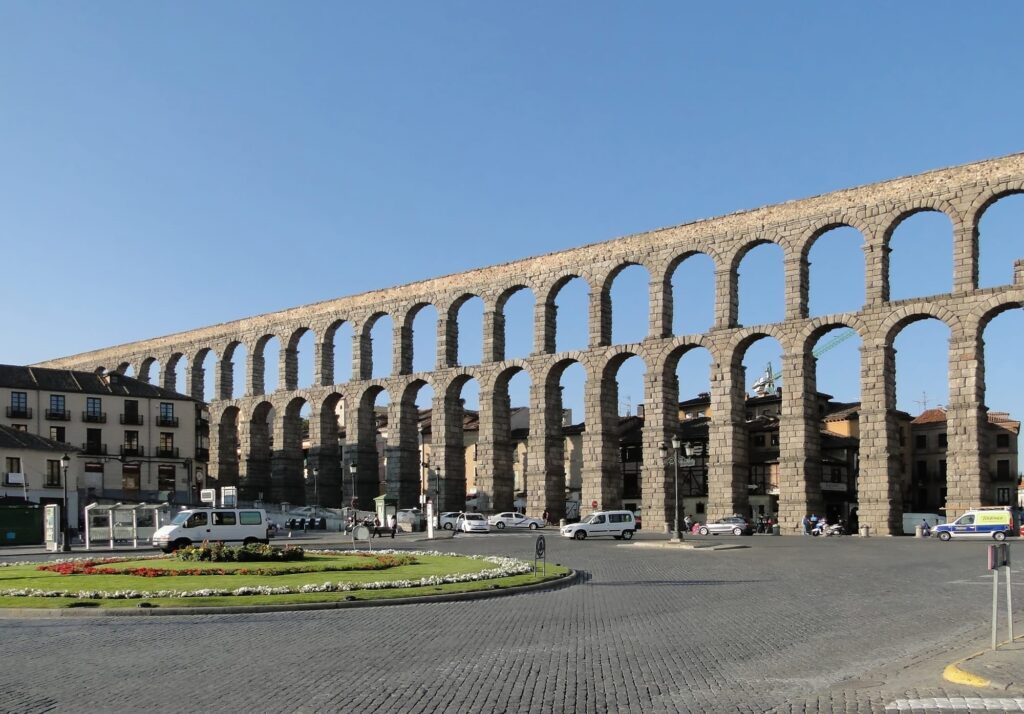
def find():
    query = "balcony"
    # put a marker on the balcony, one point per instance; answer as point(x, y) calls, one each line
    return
point(19, 413)
point(171, 453)
point(94, 417)
point(132, 451)
point(58, 415)
point(94, 449)
point(131, 419)
point(167, 421)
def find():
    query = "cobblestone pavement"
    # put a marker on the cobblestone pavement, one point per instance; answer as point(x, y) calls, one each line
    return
point(788, 625)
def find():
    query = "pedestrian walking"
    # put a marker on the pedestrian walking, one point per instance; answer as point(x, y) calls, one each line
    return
point(393, 523)
point(806, 523)
point(546, 516)
point(688, 522)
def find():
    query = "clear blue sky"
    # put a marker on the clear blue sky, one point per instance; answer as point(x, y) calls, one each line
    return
point(172, 165)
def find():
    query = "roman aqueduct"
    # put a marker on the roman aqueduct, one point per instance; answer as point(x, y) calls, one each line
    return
point(239, 425)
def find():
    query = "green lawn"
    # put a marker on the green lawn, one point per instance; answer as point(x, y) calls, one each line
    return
point(27, 576)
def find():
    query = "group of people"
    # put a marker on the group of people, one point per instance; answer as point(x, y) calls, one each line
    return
point(812, 523)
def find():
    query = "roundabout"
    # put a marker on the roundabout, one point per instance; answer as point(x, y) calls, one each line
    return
point(255, 577)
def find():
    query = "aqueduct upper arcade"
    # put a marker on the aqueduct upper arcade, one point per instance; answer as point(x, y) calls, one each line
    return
point(241, 437)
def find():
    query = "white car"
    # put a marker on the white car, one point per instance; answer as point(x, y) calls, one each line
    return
point(472, 523)
point(514, 519)
point(447, 519)
point(620, 525)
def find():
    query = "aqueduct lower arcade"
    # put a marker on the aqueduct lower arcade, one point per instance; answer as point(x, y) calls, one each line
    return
point(241, 436)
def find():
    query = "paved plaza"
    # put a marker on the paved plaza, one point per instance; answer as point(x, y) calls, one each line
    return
point(788, 624)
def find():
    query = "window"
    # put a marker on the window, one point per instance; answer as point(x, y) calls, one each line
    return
point(223, 518)
point(1002, 497)
point(19, 406)
point(57, 402)
point(93, 408)
point(921, 470)
point(166, 481)
point(1002, 441)
point(57, 433)
point(942, 469)
point(942, 440)
point(52, 473)
point(166, 410)
point(130, 477)
point(775, 438)
point(13, 465)
point(249, 518)
point(131, 412)
point(758, 439)
point(196, 519)
point(131, 440)
point(166, 443)
point(1003, 471)
point(921, 441)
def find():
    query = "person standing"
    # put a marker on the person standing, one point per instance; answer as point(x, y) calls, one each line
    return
point(806, 523)
point(688, 523)
point(393, 524)
point(546, 517)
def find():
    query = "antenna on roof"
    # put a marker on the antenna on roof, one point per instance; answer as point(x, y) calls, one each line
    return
point(923, 401)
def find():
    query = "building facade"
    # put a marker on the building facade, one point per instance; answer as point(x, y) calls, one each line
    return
point(128, 441)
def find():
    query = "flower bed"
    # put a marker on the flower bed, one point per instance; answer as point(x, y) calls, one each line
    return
point(95, 567)
point(502, 568)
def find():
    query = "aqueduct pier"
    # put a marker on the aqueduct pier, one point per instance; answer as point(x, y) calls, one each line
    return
point(239, 425)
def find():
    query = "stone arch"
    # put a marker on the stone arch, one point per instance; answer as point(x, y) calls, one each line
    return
point(974, 217)
point(454, 343)
point(365, 356)
point(325, 366)
point(123, 367)
point(499, 329)
point(606, 308)
point(549, 310)
point(734, 304)
point(449, 431)
point(370, 446)
point(803, 247)
point(229, 386)
point(228, 447)
point(257, 449)
point(144, 368)
point(197, 369)
point(290, 357)
point(408, 351)
point(257, 373)
point(101, 370)
point(288, 480)
point(900, 216)
point(405, 480)
point(663, 298)
point(498, 452)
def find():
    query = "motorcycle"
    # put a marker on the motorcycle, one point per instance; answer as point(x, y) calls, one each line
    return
point(828, 529)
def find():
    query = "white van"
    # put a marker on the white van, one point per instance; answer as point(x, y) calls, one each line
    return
point(620, 525)
point(223, 525)
point(996, 522)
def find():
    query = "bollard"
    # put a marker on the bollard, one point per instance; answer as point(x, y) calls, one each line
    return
point(865, 531)
point(776, 529)
point(919, 531)
point(561, 523)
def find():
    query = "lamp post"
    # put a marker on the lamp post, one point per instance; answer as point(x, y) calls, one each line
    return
point(65, 461)
point(353, 469)
point(677, 536)
point(437, 496)
point(316, 491)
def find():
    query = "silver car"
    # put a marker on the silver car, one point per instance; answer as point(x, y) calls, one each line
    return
point(736, 525)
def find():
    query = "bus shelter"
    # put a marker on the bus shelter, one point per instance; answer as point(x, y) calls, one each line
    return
point(123, 522)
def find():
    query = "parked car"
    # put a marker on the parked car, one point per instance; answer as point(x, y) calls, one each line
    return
point(447, 519)
point(472, 523)
point(513, 519)
point(737, 525)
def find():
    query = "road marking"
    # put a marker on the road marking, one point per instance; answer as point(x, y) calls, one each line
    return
point(962, 704)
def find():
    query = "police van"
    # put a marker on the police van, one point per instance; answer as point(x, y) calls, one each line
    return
point(995, 522)
point(224, 525)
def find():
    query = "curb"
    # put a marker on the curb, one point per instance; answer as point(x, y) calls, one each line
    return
point(570, 578)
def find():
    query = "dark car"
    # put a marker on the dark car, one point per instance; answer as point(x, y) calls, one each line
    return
point(737, 525)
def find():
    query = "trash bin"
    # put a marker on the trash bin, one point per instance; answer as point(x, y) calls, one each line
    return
point(919, 531)
point(865, 531)
point(561, 523)
point(776, 529)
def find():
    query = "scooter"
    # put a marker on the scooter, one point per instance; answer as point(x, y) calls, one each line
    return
point(828, 529)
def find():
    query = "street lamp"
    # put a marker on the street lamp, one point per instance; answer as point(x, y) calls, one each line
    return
point(353, 469)
point(316, 491)
point(677, 533)
point(65, 461)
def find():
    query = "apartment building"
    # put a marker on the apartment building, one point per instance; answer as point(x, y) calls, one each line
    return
point(128, 440)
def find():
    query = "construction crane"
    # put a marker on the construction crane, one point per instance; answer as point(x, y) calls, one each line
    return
point(765, 384)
